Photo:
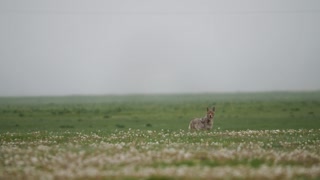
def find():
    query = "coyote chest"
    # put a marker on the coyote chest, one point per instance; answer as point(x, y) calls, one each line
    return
point(204, 123)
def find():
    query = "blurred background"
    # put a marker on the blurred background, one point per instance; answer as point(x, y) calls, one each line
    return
point(67, 47)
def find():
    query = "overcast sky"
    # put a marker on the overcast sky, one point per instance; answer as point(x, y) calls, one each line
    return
point(65, 47)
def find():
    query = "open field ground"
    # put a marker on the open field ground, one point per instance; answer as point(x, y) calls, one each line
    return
point(255, 136)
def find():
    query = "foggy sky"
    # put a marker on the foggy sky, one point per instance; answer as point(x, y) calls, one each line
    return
point(66, 47)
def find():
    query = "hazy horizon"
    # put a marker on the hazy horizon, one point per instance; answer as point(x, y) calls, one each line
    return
point(101, 47)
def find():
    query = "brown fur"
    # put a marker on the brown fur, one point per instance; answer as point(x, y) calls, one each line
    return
point(204, 123)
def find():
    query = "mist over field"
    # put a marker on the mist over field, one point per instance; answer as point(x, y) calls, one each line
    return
point(70, 47)
point(106, 89)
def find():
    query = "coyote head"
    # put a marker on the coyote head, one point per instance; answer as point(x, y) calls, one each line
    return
point(210, 112)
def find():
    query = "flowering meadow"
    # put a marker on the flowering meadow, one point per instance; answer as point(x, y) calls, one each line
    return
point(272, 135)
point(161, 154)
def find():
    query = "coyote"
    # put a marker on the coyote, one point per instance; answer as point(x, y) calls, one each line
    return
point(204, 123)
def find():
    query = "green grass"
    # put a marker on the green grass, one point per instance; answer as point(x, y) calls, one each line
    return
point(240, 111)
point(255, 136)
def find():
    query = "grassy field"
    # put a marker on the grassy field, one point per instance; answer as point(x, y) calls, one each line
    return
point(255, 136)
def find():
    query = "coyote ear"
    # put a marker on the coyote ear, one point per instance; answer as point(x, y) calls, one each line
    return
point(213, 108)
point(207, 108)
